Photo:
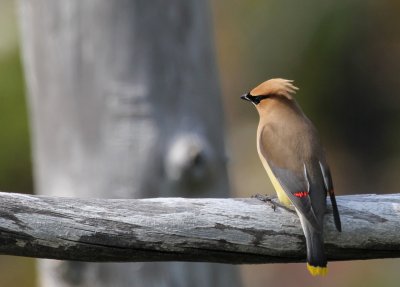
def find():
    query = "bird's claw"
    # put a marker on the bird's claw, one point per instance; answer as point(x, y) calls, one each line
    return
point(267, 199)
point(272, 202)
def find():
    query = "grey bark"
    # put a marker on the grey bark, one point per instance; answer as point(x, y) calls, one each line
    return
point(178, 229)
point(124, 103)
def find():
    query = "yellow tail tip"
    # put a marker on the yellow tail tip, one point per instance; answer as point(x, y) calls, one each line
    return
point(317, 270)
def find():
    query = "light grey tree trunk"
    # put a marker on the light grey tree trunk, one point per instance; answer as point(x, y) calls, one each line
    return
point(125, 103)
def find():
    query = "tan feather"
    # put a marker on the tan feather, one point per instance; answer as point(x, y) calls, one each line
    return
point(280, 87)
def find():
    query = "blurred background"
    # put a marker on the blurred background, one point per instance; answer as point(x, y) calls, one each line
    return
point(345, 58)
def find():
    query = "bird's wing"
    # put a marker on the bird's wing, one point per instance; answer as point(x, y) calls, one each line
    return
point(297, 188)
point(329, 188)
point(296, 184)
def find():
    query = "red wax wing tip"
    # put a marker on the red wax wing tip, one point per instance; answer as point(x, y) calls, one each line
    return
point(301, 194)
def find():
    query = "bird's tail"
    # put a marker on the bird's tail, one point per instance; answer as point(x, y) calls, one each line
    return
point(316, 258)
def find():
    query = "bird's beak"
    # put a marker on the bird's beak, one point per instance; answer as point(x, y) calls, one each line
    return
point(246, 97)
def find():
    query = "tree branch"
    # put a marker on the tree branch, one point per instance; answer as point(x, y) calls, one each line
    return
point(178, 229)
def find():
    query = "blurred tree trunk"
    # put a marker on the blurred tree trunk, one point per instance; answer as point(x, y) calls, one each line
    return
point(125, 103)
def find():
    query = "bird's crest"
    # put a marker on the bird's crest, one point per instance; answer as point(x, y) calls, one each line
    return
point(280, 87)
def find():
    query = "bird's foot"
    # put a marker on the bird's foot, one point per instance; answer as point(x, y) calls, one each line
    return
point(269, 199)
point(272, 201)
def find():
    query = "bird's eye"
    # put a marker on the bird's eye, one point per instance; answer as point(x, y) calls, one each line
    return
point(257, 99)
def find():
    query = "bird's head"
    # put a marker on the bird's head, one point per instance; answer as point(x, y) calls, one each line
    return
point(274, 87)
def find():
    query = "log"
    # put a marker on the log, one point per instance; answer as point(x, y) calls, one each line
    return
point(235, 230)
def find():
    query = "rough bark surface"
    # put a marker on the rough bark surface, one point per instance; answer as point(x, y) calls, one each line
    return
point(231, 231)
point(125, 103)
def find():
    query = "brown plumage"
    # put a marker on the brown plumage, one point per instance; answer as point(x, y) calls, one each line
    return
point(291, 153)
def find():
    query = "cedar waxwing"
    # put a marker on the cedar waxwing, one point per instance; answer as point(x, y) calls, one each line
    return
point(292, 155)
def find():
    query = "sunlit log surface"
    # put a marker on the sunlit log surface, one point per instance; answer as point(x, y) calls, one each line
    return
point(178, 229)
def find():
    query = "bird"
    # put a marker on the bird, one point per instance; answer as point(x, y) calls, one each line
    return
point(291, 152)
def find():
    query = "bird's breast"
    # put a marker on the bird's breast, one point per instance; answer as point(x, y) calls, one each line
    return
point(283, 198)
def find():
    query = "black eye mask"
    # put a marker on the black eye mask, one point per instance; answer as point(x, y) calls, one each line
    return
point(254, 99)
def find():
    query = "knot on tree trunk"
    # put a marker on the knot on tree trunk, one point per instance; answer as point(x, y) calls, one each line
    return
point(189, 160)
